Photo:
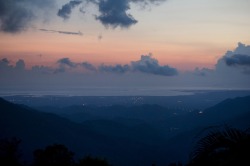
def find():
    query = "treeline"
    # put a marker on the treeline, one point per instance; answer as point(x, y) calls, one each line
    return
point(219, 147)
point(53, 155)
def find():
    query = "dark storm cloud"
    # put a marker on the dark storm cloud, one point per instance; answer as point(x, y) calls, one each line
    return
point(5, 64)
point(238, 60)
point(112, 13)
point(66, 62)
point(149, 65)
point(13, 16)
point(20, 65)
point(120, 69)
point(146, 71)
point(61, 32)
point(16, 15)
point(146, 64)
point(88, 66)
point(66, 9)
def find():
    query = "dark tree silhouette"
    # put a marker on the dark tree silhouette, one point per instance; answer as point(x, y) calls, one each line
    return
point(54, 155)
point(9, 152)
point(90, 161)
point(227, 147)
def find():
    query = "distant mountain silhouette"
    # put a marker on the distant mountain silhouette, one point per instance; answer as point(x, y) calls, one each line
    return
point(133, 135)
point(232, 112)
point(80, 113)
point(228, 111)
point(38, 129)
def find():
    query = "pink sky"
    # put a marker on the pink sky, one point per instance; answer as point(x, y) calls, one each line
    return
point(184, 34)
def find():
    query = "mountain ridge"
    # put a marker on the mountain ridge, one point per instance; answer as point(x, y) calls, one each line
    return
point(121, 139)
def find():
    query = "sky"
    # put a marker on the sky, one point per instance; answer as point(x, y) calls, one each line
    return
point(124, 44)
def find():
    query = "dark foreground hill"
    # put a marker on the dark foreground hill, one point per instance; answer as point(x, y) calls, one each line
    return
point(38, 129)
point(154, 136)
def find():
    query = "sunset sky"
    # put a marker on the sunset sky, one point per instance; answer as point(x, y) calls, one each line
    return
point(177, 36)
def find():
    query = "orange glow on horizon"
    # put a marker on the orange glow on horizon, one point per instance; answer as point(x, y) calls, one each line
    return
point(45, 49)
